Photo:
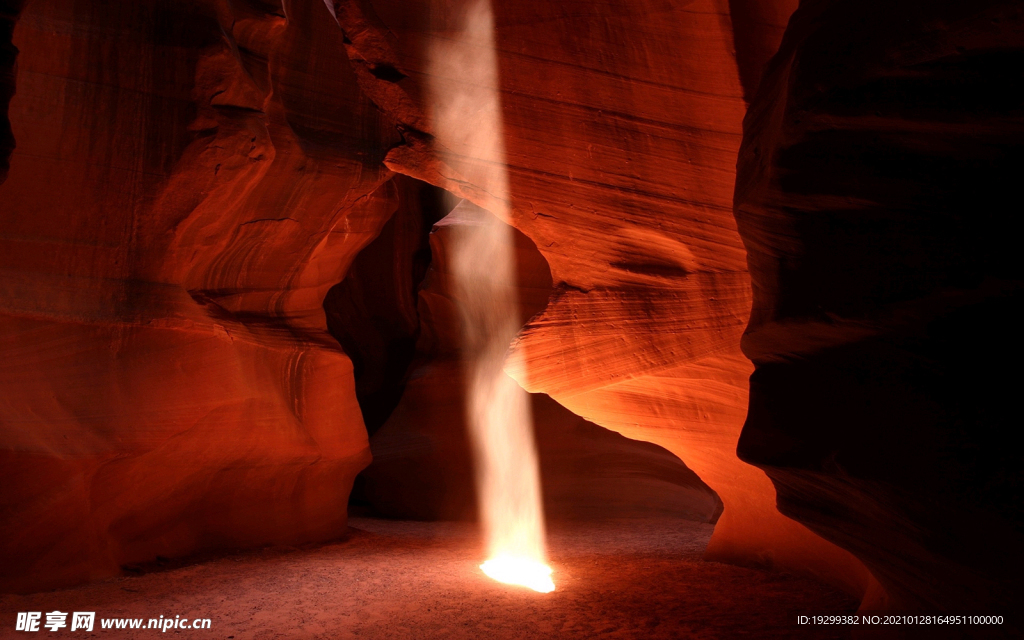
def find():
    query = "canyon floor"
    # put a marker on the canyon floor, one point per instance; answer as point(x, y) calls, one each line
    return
point(390, 579)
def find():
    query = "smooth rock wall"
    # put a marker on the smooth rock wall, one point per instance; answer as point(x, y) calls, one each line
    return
point(189, 181)
point(423, 466)
point(622, 123)
point(876, 197)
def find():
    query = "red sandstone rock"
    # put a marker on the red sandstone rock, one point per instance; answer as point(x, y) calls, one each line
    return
point(622, 123)
point(189, 180)
point(879, 162)
point(373, 311)
point(423, 467)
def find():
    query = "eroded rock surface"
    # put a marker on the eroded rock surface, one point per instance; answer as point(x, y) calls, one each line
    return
point(423, 467)
point(189, 181)
point(875, 196)
point(373, 311)
point(622, 123)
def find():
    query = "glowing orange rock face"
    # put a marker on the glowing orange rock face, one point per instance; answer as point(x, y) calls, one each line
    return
point(189, 182)
point(622, 124)
point(181, 197)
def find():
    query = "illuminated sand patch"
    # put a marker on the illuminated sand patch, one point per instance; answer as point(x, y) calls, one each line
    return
point(525, 572)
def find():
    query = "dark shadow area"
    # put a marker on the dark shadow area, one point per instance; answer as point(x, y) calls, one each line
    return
point(757, 27)
point(372, 312)
point(423, 466)
point(884, 334)
point(9, 12)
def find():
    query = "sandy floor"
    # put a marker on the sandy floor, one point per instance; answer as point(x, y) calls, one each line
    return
point(629, 579)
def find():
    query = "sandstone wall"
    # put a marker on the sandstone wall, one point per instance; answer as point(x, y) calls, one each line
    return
point(189, 180)
point(876, 197)
point(422, 459)
point(622, 123)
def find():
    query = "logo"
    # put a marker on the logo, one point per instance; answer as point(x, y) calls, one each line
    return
point(30, 620)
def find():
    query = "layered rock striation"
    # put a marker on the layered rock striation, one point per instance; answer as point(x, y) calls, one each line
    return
point(189, 180)
point(876, 180)
point(622, 121)
point(186, 182)
point(423, 466)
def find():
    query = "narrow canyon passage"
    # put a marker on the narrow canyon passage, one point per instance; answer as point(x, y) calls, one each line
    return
point(756, 285)
point(401, 297)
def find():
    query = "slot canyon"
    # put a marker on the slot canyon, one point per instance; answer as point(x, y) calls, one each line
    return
point(761, 317)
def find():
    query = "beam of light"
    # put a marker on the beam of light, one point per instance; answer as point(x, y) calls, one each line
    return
point(525, 572)
point(464, 91)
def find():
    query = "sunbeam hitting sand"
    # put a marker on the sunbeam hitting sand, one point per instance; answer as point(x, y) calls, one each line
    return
point(467, 114)
point(618, 580)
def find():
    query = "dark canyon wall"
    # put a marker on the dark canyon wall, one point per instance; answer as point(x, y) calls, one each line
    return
point(876, 196)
